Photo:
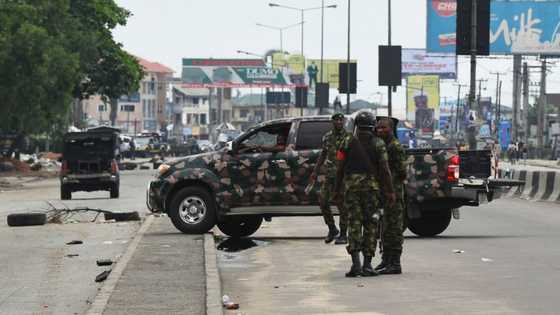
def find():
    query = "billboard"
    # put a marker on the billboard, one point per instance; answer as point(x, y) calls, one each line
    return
point(205, 73)
point(418, 61)
point(422, 92)
point(516, 26)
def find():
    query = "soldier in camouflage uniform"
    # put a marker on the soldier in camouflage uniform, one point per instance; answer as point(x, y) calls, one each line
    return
point(393, 216)
point(362, 170)
point(331, 143)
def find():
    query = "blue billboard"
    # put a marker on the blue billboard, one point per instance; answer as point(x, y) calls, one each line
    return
point(516, 26)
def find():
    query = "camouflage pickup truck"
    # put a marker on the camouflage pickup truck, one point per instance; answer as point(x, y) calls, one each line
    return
point(255, 178)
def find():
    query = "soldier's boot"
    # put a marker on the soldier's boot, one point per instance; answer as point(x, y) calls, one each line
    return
point(394, 266)
point(333, 232)
point(367, 269)
point(356, 269)
point(342, 237)
point(383, 264)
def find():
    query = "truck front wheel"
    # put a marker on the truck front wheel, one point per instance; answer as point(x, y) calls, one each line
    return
point(240, 226)
point(192, 210)
point(430, 223)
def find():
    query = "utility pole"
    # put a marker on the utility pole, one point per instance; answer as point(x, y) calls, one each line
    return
point(471, 139)
point(348, 66)
point(457, 106)
point(389, 88)
point(499, 113)
point(516, 96)
point(540, 110)
point(496, 101)
point(525, 123)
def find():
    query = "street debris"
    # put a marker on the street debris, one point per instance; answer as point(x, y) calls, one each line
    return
point(27, 219)
point(103, 275)
point(122, 216)
point(108, 243)
point(228, 303)
point(484, 259)
point(72, 255)
point(74, 242)
point(144, 167)
point(65, 215)
point(104, 262)
point(458, 251)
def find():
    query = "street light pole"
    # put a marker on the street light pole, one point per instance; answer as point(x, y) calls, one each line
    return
point(348, 66)
point(389, 88)
point(302, 11)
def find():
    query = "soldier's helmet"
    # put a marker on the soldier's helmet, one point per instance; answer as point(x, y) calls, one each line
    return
point(365, 119)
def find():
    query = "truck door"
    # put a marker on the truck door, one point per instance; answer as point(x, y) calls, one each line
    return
point(308, 145)
point(260, 172)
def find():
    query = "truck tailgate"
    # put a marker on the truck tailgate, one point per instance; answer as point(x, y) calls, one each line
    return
point(475, 164)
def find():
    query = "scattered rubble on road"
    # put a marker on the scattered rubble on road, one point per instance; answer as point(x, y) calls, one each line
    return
point(103, 275)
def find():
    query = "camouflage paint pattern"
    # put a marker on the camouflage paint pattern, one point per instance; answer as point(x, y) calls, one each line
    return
point(393, 216)
point(427, 174)
point(362, 203)
point(260, 179)
point(331, 142)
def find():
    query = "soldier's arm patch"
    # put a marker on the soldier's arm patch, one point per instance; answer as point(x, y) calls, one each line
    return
point(340, 155)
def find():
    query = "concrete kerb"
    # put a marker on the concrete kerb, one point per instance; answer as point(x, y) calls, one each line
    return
point(102, 297)
point(539, 185)
point(213, 282)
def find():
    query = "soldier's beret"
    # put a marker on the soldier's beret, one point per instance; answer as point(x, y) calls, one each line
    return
point(337, 116)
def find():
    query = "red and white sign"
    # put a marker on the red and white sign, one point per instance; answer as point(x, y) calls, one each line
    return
point(445, 8)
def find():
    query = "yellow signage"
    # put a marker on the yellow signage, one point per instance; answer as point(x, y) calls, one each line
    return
point(422, 91)
point(330, 75)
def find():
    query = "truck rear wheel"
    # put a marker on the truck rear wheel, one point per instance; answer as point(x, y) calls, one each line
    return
point(430, 223)
point(192, 210)
point(240, 226)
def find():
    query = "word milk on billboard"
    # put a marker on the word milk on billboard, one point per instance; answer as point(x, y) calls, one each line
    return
point(516, 26)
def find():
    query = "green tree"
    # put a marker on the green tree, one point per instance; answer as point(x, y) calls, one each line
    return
point(52, 51)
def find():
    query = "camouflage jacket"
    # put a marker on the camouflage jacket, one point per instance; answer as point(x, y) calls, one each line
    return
point(397, 161)
point(377, 148)
point(332, 141)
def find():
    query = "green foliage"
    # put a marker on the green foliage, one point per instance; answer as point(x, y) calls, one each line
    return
point(52, 51)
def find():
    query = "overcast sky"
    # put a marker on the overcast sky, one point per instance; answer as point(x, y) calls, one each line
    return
point(166, 31)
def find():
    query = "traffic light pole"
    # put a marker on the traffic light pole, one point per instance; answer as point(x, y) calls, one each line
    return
point(348, 66)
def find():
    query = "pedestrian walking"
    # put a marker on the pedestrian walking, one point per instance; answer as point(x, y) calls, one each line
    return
point(331, 143)
point(362, 169)
point(393, 216)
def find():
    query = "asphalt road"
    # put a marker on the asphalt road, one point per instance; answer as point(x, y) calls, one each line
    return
point(509, 264)
point(40, 274)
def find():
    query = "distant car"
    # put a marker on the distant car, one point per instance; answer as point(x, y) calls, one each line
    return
point(89, 162)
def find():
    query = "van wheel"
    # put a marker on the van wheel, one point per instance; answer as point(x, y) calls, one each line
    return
point(430, 223)
point(65, 193)
point(240, 226)
point(114, 192)
point(27, 219)
point(192, 210)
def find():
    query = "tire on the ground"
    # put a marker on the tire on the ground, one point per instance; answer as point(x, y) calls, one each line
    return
point(206, 223)
point(114, 192)
point(430, 223)
point(122, 216)
point(240, 226)
point(65, 193)
point(27, 219)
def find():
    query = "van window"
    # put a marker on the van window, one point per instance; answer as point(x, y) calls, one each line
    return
point(310, 134)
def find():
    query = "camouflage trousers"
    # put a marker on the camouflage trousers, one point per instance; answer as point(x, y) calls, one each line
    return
point(393, 221)
point(362, 205)
point(327, 188)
